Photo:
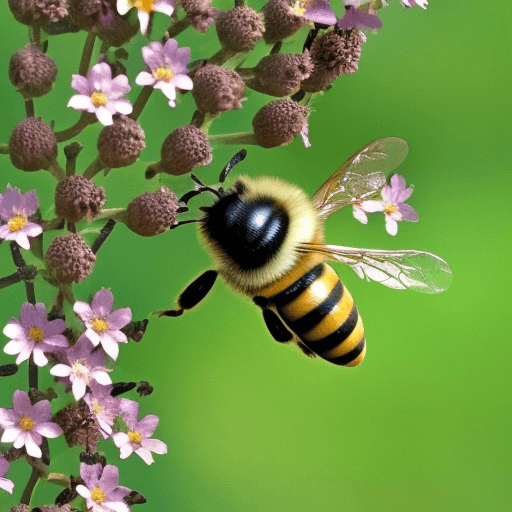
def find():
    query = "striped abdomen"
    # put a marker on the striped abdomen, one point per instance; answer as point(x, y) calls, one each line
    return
point(321, 312)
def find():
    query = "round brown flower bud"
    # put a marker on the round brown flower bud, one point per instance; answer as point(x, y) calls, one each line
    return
point(280, 21)
point(199, 12)
point(77, 197)
point(32, 145)
point(183, 149)
point(23, 10)
point(340, 53)
point(277, 123)
point(239, 29)
point(281, 74)
point(333, 55)
point(120, 144)
point(32, 72)
point(70, 259)
point(79, 426)
point(217, 89)
point(152, 213)
point(85, 13)
point(52, 10)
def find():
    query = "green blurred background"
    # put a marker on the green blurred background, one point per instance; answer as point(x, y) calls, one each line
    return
point(423, 424)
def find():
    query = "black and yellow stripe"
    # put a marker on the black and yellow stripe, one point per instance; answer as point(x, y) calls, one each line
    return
point(321, 312)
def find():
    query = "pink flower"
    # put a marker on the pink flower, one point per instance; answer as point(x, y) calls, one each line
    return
point(355, 16)
point(393, 205)
point(104, 407)
point(5, 483)
point(100, 94)
point(137, 439)
point(103, 324)
point(102, 491)
point(26, 424)
point(168, 66)
point(82, 368)
point(318, 11)
point(15, 209)
point(411, 3)
point(144, 9)
point(34, 334)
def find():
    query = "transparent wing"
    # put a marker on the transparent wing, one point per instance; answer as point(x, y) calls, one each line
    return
point(414, 270)
point(361, 176)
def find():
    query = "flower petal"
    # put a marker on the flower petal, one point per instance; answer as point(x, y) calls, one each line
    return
point(102, 303)
point(81, 102)
point(81, 85)
point(145, 455)
point(14, 330)
point(10, 434)
point(83, 310)
point(391, 225)
point(104, 116)
point(110, 346)
point(145, 78)
point(408, 213)
point(61, 370)
point(360, 215)
point(48, 429)
point(155, 446)
point(183, 82)
point(119, 318)
point(32, 448)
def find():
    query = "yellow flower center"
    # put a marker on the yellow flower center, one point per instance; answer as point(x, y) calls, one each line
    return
point(99, 325)
point(96, 407)
point(134, 436)
point(143, 5)
point(17, 223)
point(390, 208)
point(26, 423)
point(97, 495)
point(36, 334)
point(80, 369)
point(164, 74)
point(299, 7)
point(99, 99)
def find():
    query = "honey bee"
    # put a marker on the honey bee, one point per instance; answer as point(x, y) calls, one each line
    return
point(266, 238)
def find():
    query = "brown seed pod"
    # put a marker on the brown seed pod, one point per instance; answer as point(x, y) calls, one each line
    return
point(277, 123)
point(32, 145)
point(120, 144)
point(70, 259)
point(184, 149)
point(32, 72)
point(240, 28)
point(152, 213)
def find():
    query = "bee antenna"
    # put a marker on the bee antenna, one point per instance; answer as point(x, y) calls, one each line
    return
point(181, 222)
point(235, 160)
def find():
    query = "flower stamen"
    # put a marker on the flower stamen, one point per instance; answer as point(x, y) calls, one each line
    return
point(135, 436)
point(97, 495)
point(163, 73)
point(99, 99)
point(26, 423)
point(100, 326)
point(17, 223)
point(36, 333)
point(390, 208)
point(143, 5)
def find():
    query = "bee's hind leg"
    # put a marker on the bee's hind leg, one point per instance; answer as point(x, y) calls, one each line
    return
point(193, 294)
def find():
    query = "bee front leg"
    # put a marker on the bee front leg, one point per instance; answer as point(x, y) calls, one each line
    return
point(193, 294)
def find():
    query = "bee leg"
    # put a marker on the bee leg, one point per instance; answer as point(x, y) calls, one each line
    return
point(305, 349)
point(193, 294)
point(276, 327)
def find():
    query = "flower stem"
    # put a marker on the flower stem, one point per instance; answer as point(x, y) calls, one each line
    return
point(72, 151)
point(29, 108)
point(85, 120)
point(234, 138)
point(4, 149)
point(56, 170)
point(141, 101)
point(104, 234)
point(27, 492)
point(94, 168)
point(176, 28)
point(115, 213)
point(86, 54)
point(221, 57)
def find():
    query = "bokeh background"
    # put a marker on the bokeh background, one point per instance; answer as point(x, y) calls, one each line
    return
point(424, 423)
